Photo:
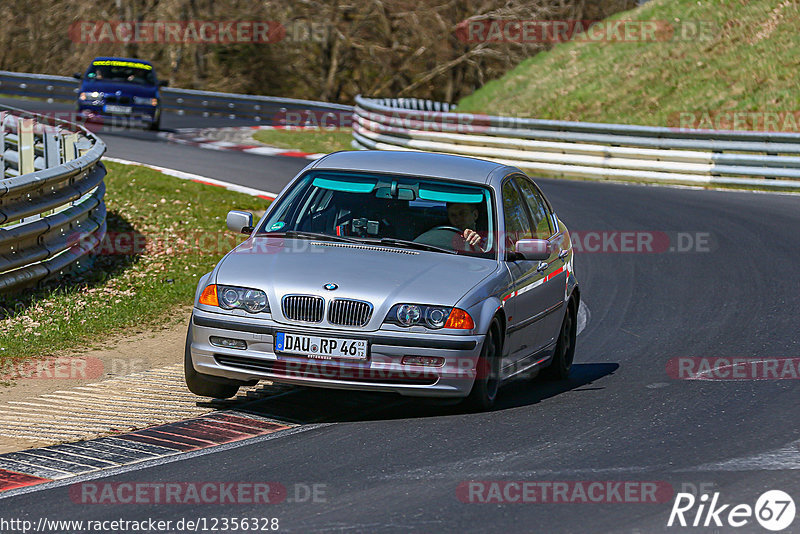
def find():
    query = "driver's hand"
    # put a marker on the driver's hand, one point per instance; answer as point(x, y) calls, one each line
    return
point(471, 237)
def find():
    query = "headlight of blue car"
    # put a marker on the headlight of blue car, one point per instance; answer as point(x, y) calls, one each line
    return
point(91, 95)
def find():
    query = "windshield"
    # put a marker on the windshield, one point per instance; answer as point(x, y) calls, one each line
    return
point(122, 71)
point(391, 210)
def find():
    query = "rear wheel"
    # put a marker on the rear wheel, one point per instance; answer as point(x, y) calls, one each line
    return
point(204, 385)
point(565, 347)
point(487, 379)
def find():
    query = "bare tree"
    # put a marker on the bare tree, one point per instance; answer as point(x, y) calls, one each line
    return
point(330, 49)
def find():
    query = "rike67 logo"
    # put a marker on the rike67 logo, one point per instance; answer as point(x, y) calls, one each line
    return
point(774, 510)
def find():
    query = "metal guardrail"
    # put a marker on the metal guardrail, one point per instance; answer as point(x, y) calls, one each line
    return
point(583, 150)
point(182, 101)
point(52, 211)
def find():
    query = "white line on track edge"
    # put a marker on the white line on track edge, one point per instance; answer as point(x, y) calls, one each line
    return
point(195, 177)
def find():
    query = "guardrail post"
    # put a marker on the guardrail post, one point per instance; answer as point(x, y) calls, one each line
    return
point(26, 149)
point(52, 150)
point(68, 141)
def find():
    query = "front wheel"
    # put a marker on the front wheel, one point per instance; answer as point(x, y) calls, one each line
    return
point(156, 124)
point(200, 384)
point(565, 347)
point(487, 379)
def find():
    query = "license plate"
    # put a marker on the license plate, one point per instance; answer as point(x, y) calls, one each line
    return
point(117, 109)
point(321, 347)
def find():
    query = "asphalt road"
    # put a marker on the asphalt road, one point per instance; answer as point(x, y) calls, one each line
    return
point(393, 465)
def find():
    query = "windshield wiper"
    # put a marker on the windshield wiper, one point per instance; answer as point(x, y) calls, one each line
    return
point(411, 244)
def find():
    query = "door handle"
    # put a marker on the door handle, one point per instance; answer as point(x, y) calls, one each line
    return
point(542, 266)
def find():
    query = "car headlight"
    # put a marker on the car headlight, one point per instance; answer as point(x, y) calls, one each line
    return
point(230, 298)
point(91, 95)
point(433, 317)
point(145, 101)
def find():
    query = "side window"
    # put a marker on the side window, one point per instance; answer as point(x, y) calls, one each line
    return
point(518, 225)
point(537, 207)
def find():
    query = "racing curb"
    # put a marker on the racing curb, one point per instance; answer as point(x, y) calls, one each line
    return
point(32, 467)
point(199, 137)
point(38, 466)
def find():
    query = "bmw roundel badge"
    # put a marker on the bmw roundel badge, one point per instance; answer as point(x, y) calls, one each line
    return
point(330, 287)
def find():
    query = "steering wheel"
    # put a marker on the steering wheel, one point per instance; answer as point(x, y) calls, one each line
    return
point(450, 228)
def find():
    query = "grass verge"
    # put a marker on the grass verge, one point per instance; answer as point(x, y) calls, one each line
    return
point(313, 141)
point(747, 61)
point(180, 227)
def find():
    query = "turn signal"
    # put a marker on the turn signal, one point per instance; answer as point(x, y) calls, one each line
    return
point(459, 319)
point(209, 296)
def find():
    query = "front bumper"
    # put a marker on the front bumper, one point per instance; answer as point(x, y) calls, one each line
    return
point(147, 114)
point(383, 370)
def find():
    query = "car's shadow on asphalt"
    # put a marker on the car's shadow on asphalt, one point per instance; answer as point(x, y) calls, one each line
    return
point(303, 405)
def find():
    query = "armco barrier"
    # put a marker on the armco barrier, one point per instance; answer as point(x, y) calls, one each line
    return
point(51, 192)
point(182, 101)
point(583, 150)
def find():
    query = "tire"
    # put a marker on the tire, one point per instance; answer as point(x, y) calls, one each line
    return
point(487, 379)
point(204, 385)
point(156, 124)
point(565, 347)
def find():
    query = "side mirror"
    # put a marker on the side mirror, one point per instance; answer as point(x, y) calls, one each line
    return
point(78, 76)
point(240, 222)
point(163, 83)
point(533, 249)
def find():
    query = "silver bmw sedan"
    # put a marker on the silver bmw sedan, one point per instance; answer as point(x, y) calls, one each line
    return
point(421, 274)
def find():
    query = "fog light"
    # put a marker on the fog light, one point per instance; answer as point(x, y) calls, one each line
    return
point(228, 343)
point(427, 361)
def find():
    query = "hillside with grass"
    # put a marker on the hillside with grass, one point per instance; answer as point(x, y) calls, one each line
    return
point(747, 59)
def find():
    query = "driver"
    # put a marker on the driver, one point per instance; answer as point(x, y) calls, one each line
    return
point(465, 217)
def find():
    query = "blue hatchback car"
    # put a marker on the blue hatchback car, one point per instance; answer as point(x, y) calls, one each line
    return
point(126, 87)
